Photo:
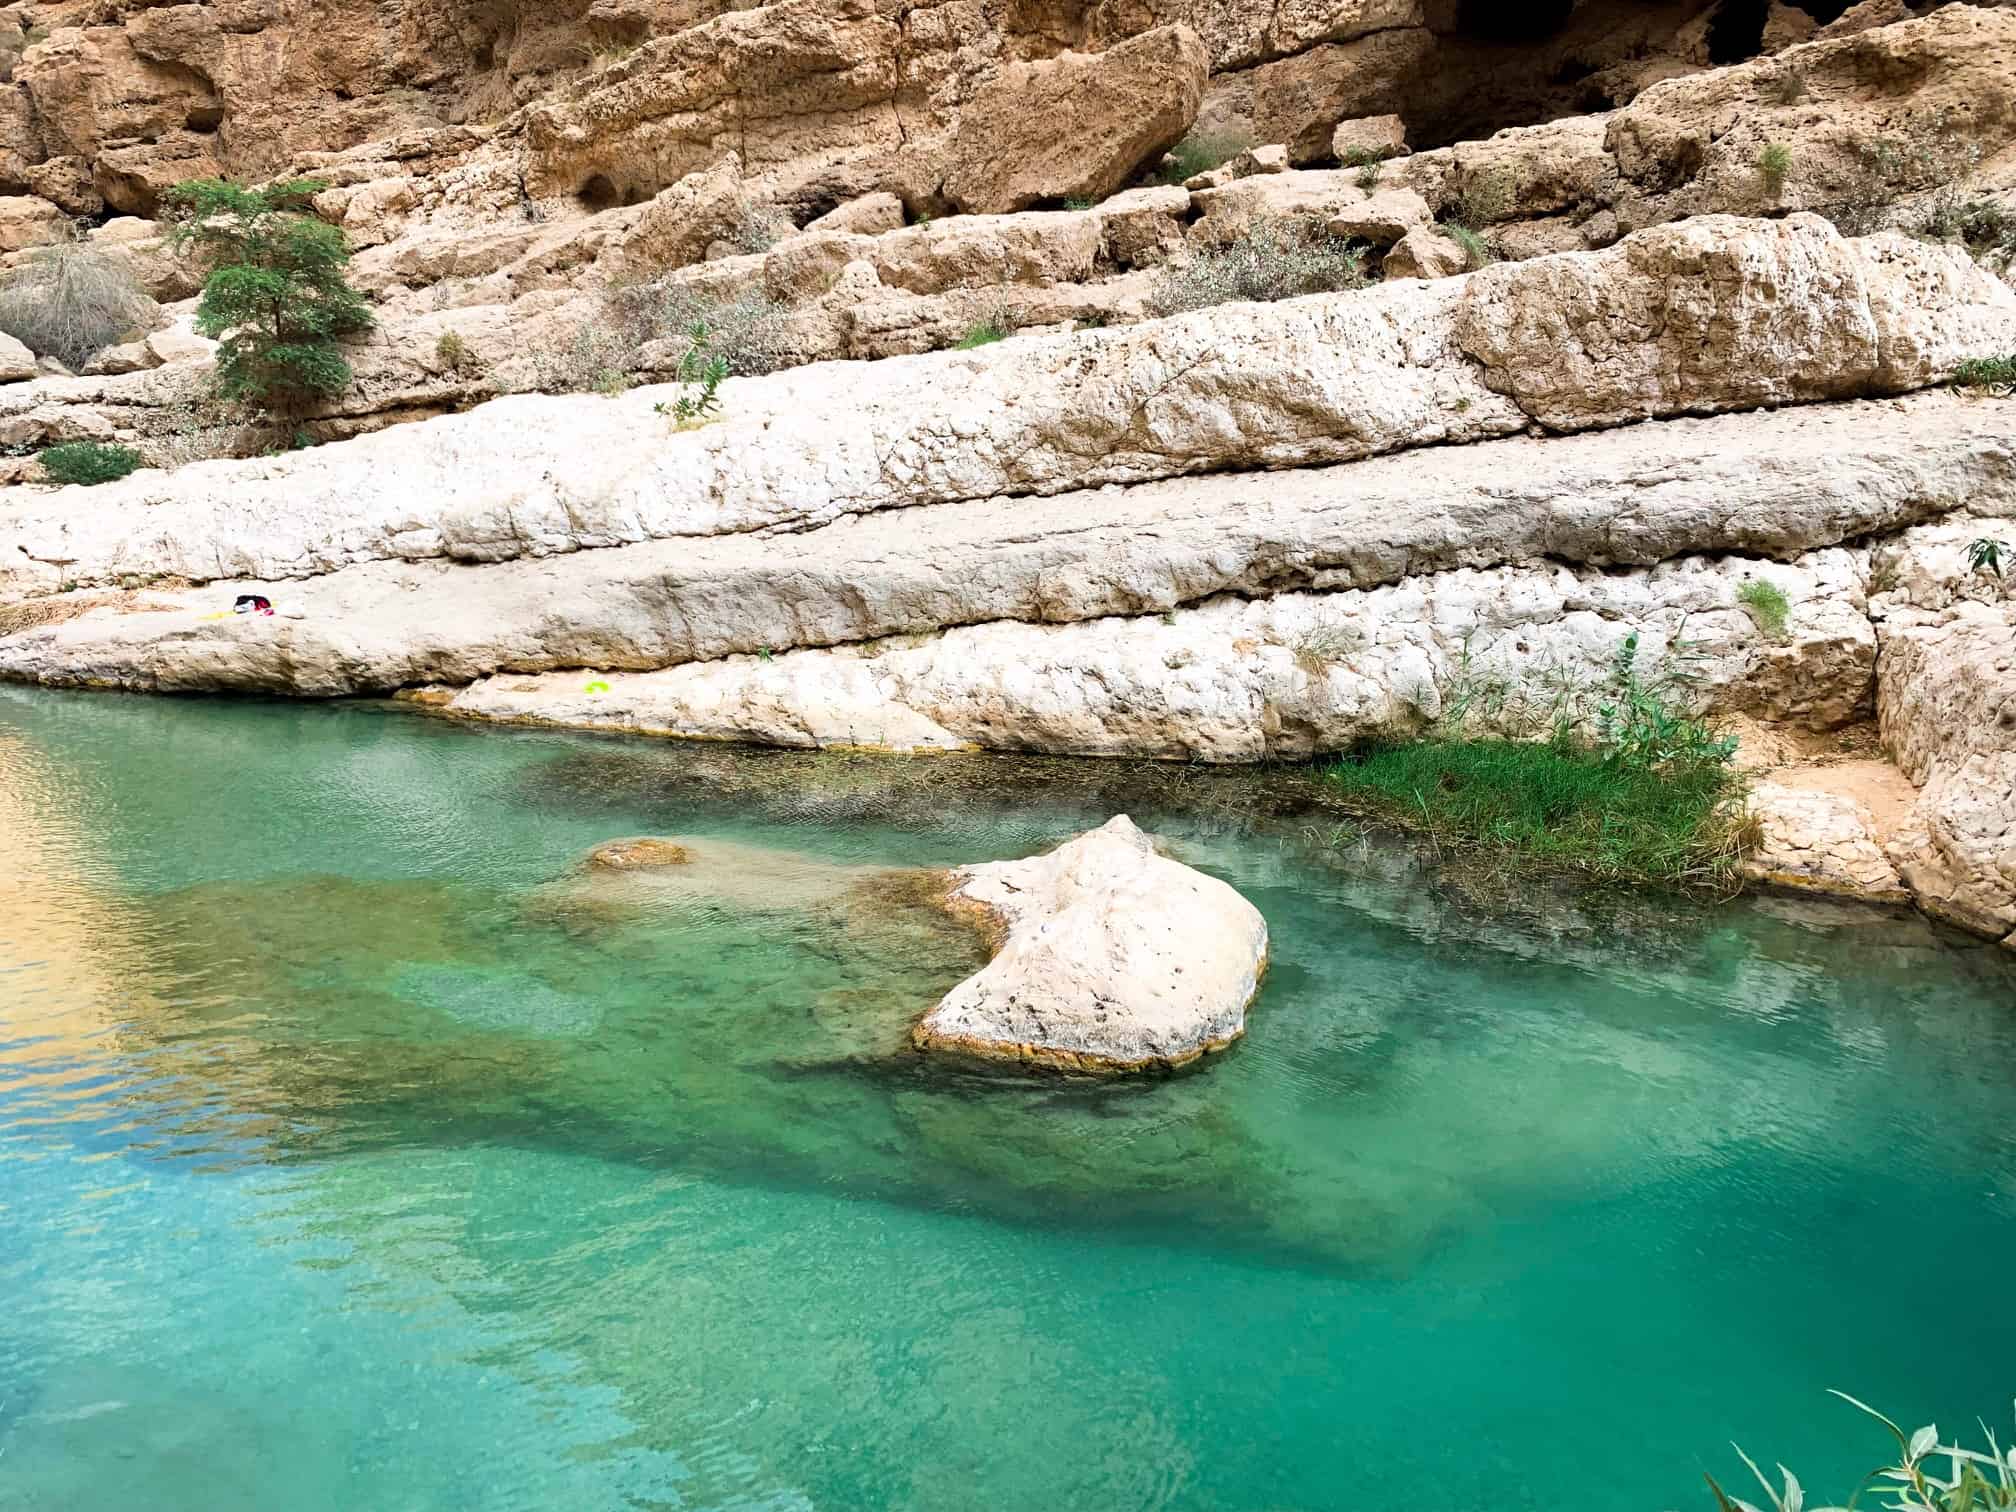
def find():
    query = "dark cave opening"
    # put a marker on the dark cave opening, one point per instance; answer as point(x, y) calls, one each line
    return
point(1494, 21)
point(1736, 30)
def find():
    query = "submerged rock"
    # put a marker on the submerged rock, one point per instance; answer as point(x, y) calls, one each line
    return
point(1109, 957)
point(636, 854)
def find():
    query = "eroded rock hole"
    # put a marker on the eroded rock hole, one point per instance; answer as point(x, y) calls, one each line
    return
point(599, 193)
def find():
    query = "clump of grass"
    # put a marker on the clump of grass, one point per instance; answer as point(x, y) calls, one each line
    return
point(1476, 251)
point(758, 228)
point(1767, 605)
point(1886, 167)
point(749, 331)
point(1986, 373)
point(1200, 152)
point(1277, 260)
point(71, 301)
point(1789, 88)
point(1489, 195)
point(609, 55)
point(1367, 161)
point(983, 333)
point(88, 463)
point(1323, 646)
point(1648, 796)
point(1774, 166)
point(453, 353)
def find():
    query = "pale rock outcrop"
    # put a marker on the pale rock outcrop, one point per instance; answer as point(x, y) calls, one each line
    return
point(676, 226)
point(1369, 137)
point(1812, 840)
point(870, 215)
point(1241, 35)
point(1815, 317)
point(123, 357)
point(1299, 100)
point(1694, 318)
point(26, 221)
point(1425, 252)
point(1763, 484)
point(1946, 701)
point(1334, 199)
point(17, 363)
point(1863, 16)
point(1237, 680)
point(1075, 126)
point(1109, 957)
point(1868, 119)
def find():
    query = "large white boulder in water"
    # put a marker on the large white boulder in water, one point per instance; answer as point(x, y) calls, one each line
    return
point(1109, 957)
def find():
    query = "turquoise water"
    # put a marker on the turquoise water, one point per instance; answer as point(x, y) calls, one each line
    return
point(357, 1150)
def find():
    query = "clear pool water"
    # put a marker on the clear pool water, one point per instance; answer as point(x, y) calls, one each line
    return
point(358, 1152)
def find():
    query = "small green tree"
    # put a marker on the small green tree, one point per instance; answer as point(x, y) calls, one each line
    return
point(275, 296)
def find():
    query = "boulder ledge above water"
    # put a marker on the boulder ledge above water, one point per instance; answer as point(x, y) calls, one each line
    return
point(1109, 958)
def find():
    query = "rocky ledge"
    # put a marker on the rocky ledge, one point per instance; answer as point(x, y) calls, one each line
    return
point(1256, 531)
point(1108, 958)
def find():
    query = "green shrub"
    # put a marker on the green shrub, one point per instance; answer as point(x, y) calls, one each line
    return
point(701, 374)
point(1774, 165)
point(1277, 260)
point(275, 295)
point(1200, 152)
point(1974, 1481)
point(1767, 606)
point(453, 353)
point(1629, 786)
point(1984, 556)
point(982, 333)
point(71, 301)
point(88, 463)
point(1985, 372)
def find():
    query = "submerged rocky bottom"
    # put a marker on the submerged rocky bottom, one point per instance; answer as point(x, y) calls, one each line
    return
point(359, 1150)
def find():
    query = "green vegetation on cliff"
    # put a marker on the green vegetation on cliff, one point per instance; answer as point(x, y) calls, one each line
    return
point(275, 295)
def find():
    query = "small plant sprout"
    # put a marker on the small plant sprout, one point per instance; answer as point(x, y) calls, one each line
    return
point(1984, 557)
point(701, 374)
point(1774, 165)
point(1767, 605)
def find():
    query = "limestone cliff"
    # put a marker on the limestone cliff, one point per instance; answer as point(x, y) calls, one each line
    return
point(1580, 380)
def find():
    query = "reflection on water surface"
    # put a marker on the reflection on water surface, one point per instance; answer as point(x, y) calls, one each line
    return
point(357, 1148)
